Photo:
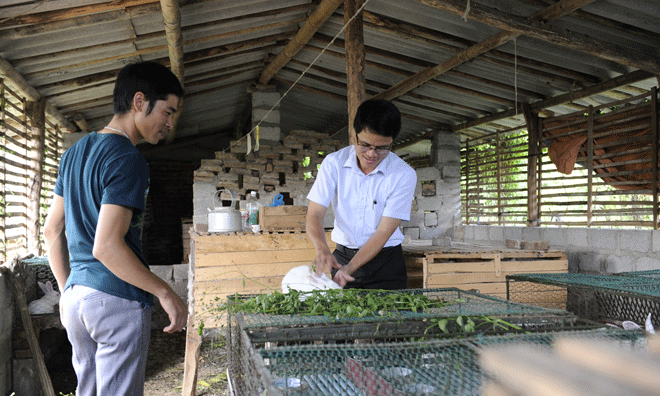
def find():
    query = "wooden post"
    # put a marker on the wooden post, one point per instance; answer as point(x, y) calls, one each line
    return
point(467, 181)
point(3, 186)
point(533, 147)
point(193, 338)
point(656, 136)
point(498, 159)
point(37, 116)
point(590, 164)
point(356, 91)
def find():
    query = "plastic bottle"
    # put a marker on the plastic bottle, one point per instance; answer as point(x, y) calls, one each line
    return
point(252, 205)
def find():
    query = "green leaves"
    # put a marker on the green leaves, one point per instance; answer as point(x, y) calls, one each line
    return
point(336, 303)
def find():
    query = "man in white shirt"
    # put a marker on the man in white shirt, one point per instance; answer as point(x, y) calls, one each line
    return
point(371, 191)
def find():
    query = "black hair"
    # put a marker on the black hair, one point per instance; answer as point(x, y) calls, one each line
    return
point(379, 116)
point(154, 80)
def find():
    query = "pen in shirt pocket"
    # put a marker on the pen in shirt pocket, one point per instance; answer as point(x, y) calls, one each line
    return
point(373, 205)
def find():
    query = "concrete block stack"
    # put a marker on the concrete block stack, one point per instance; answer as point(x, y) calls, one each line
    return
point(288, 167)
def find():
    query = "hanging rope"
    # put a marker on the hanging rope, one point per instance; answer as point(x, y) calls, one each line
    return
point(256, 127)
point(467, 11)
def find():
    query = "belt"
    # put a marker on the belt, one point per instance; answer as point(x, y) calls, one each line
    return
point(343, 249)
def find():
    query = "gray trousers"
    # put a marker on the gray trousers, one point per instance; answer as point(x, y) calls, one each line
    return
point(110, 340)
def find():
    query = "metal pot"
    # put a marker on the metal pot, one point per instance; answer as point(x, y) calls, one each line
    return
point(225, 219)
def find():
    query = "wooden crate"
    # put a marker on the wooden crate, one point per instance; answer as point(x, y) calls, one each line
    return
point(283, 217)
point(486, 271)
point(225, 264)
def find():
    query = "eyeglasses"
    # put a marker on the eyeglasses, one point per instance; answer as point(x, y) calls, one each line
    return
point(380, 150)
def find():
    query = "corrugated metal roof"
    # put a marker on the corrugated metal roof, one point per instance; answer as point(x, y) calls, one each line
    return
point(70, 50)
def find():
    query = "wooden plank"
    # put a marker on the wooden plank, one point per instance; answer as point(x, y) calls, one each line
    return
point(221, 243)
point(622, 363)
point(250, 271)
point(506, 266)
point(457, 279)
point(257, 257)
point(529, 370)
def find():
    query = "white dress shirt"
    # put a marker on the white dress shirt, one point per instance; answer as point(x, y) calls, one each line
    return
point(360, 201)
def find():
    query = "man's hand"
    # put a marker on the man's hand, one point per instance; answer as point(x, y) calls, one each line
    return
point(342, 277)
point(325, 262)
point(176, 310)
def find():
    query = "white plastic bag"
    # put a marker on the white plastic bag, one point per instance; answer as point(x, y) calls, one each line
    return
point(303, 279)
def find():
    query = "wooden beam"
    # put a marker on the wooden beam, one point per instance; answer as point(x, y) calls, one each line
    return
point(355, 62)
point(538, 28)
point(31, 94)
point(71, 13)
point(625, 79)
point(405, 86)
point(318, 17)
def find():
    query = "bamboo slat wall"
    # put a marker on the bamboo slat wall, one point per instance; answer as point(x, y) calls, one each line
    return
point(15, 173)
point(608, 157)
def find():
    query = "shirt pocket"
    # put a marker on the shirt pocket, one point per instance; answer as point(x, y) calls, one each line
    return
point(374, 213)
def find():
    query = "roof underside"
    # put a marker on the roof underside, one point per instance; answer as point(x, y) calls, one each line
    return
point(69, 51)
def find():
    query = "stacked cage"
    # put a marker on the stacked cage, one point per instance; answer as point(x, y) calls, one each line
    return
point(604, 298)
point(319, 354)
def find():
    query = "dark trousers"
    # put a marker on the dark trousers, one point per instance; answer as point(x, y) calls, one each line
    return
point(385, 271)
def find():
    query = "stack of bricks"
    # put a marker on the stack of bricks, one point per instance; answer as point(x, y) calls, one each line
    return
point(273, 166)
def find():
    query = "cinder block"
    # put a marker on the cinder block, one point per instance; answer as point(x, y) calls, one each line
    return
point(531, 233)
point(412, 232)
point(635, 240)
point(577, 237)
point(265, 115)
point(593, 263)
point(656, 241)
point(496, 234)
point(180, 272)
point(480, 233)
point(265, 98)
point(451, 171)
point(430, 219)
point(614, 264)
point(556, 236)
point(603, 239)
point(647, 264)
point(513, 233)
point(164, 272)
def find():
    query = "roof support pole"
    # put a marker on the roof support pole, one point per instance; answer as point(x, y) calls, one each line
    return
point(37, 133)
point(356, 91)
point(172, 22)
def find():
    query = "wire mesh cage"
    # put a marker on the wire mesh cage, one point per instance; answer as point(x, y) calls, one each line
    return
point(604, 298)
point(440, 367)
point(466, 313)
point(42, 287)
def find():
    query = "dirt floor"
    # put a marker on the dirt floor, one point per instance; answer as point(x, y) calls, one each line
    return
point(164, 367)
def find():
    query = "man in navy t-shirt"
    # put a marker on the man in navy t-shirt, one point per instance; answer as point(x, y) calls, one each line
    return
point(93, 237)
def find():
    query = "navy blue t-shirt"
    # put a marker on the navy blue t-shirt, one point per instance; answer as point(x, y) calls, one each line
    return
point(102, 169)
